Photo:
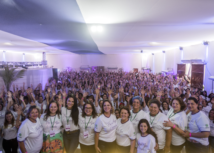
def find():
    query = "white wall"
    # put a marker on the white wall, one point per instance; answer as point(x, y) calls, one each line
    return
point(125, 61)
point(17, 57)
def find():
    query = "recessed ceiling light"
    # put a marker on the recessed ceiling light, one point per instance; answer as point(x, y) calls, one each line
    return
point(154, 43)
point(7, 43)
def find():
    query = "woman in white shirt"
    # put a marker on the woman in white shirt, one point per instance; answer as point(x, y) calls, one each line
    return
point(178, 122)
point(165, 107)
point(146, 138)
point(156, 120)
point(198, 129)
point(206, 108)
point(125, 134)
point(137, 113)
point(87, 123)
point(211, 137)
point(30, 133)
point(70, 115)
point(9, 133)
point(51, 124)
point(105, 128)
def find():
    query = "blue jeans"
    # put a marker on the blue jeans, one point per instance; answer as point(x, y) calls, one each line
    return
point(71, 141)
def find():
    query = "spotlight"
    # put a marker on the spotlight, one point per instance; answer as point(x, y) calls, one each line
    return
point(181, 48)
point(153, 54)
point(163, 51)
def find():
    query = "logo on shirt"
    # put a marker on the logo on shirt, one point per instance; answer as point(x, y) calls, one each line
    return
point(206, 125)
point(20, 135)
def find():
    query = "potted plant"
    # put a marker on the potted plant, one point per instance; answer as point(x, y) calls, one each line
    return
point(9, 75)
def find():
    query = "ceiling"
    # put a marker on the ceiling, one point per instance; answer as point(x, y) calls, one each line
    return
point(55, 23)
point(132, 26)
point(128, 26)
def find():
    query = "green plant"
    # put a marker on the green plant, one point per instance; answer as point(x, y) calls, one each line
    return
point(9, 75)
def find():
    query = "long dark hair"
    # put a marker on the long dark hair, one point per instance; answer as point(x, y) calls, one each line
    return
point(74, 110)
point(149, 130)
point(49, 112)
point(5, 120)
point(94, 113)
point(167, 104)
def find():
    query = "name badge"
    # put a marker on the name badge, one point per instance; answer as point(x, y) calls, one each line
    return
point(52, 133)
point(67, 128)
point(85, 134)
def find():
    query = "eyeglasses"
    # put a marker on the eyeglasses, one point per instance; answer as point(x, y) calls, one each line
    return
point(88, 108)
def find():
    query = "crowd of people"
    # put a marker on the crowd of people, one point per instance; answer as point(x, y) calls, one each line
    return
point(108, 112)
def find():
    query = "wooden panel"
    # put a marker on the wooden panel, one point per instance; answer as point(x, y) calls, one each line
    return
point(197, 76)
point(181, 69)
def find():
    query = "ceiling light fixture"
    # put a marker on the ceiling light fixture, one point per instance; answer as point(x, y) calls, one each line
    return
point(98, 29)
point(7, 43)
point(154, 43)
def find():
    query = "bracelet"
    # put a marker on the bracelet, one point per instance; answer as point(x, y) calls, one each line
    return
point(190, 134)
point(173, 126)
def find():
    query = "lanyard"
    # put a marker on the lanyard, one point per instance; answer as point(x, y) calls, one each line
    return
point(172, 114)
point(67, 117)
point(134, 116)
point(86, 125)
point(52, 124)
point(151, 121)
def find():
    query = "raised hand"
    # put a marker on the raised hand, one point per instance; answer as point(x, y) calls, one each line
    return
point(110, 92)
point(142, 92)
point(85, 94)
point(97, 91)
point(21, 98)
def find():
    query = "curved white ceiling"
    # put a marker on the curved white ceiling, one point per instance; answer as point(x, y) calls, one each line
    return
point(131, 26)
point(56, 23)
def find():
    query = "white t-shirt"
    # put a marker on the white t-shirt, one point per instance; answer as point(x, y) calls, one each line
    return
point(156, 123)
point(136, 117)
point(211, 128)
point(146, 109)
point(65, 116)
point(98, 109)
point(145, 144)
point(180, 120)
point(32, 135)
point(196, 123)
point(2, 116)
point(40, 104)
point(206, 110)
point(9, 132)
point(90, 123)
point(106, 126)
point(165, 112)
point(26, 109)
point(15, 114)
point(125, 132)
point(47, 124)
